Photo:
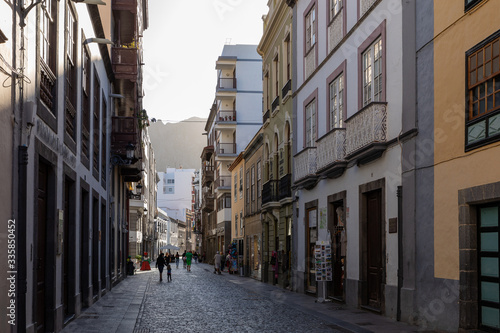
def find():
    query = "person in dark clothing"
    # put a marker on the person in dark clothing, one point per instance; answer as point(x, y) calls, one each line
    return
point(160, 263)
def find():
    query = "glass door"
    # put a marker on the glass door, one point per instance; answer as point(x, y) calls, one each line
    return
point(488, 246)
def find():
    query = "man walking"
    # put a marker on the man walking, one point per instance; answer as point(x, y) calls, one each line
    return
point(189, 257)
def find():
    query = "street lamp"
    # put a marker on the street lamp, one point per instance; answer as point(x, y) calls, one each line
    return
point(138, 189)
point(130, 151)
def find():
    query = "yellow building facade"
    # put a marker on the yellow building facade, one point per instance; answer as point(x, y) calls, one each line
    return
point(467, 155)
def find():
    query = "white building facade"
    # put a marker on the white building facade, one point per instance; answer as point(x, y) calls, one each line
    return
point(235, 117)
point(348, 111)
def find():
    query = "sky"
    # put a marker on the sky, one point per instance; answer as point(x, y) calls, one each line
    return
point(181, 45)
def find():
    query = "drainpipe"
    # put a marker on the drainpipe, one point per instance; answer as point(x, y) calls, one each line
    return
point(400, 249)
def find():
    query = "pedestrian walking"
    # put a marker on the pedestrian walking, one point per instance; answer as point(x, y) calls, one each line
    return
point(177, 260)
point(195, 256)
point(189, 258)
point(169, 273)
point(184, 259)
point(223, 261)
point(217, 265)
point(160, 263)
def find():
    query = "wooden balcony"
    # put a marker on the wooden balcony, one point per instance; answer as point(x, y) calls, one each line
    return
point(305, 168)
point(124, 131)
point(128, 5)
point(124, 61)
point(207, 175)
point(331, 153)
point(207, 153)
point(366, 133)
point(208, 201)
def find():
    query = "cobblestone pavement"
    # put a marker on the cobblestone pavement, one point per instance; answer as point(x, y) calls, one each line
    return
point(200, 301)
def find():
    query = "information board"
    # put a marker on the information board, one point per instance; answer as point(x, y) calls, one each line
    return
point(323, 258)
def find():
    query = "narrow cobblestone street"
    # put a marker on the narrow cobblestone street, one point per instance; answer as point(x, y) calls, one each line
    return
point(200, 301)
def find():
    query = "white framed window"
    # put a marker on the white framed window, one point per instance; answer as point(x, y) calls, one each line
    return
point(170, 181)
point(235, 186)
point(372, 73)
point(336, 102)
point(310, 29)
point(310, 130)
point(335, 7)
point(71, 37)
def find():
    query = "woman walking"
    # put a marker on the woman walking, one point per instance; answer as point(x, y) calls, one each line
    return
point(177, 260)
point(160, 262)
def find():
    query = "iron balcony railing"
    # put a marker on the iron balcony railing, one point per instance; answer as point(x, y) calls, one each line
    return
point(226, 83)
point(276, 103)
point(224, 116)
point(265, 117)
point(226, 148)
point(331, 147)
point(286, 88)
point(270, 192)
point(285, 187)
point(366, 127)
point(223, 182)
point(305, 163)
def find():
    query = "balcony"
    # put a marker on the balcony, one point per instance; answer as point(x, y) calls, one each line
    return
point(286, 92)
point(265, 118)
point(226, 116)
point(124, 61)
point(270, 193)
point(275, 105)
point(331, 153)
point(226, 149)
point(223, 183)
point(207, 153)
point(123, 132)
point(208, 175)
point(208, 202)
point(226, 83)
point(129, 5)
point(366, 133)
point(285, 187)
point(305, 168)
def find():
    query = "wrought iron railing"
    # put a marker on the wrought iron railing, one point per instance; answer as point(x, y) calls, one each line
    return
point(270, 192)
point(286, 88)
point(305, 163)
point(275, 104)
point(367, 126)
point(226, 83)
point(226, 148)
point(285, 187)
point(225, 116)
point(331, 147)
point(223, 181)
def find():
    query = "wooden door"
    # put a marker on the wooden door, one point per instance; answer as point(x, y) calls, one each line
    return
point(374, 248)
point(41, 248)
